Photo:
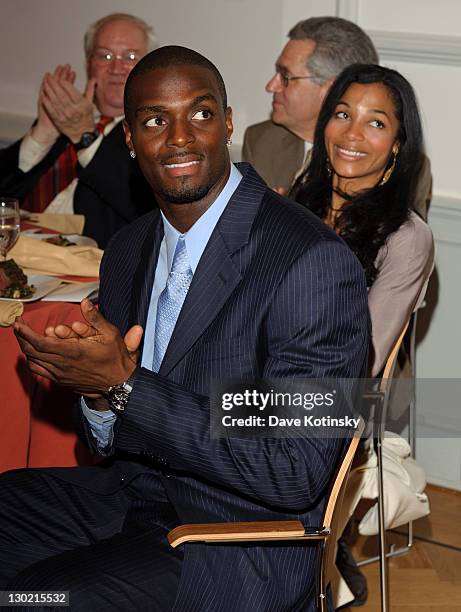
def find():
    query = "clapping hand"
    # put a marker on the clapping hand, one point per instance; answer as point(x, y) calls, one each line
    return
point(85, 357)
point(70, 111)
point(44, 131)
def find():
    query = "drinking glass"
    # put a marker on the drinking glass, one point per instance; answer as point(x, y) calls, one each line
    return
point(9, 225)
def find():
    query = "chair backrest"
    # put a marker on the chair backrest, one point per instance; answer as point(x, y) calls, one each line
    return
point(392, 359)
point(332, 510)
point(385, 385)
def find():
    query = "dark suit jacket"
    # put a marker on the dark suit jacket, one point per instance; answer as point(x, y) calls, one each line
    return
point(275, 294)
point(275, 153)
point(111, 190)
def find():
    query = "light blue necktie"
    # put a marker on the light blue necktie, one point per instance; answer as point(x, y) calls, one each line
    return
point(170, 301)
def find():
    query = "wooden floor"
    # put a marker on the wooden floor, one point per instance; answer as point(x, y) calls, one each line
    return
point(428, 578)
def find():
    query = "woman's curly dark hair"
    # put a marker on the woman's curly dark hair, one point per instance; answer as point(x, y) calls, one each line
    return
point(369, 217)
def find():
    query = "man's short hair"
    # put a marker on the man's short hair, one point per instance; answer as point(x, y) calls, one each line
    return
point(165, 57)
point(151, 40)
point(338, 44)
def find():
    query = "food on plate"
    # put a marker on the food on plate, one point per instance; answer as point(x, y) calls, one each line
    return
point(13, 281)
point(60, 240)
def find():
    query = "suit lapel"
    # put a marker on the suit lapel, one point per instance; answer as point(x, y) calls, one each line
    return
point(143, 279)
point(217, 274)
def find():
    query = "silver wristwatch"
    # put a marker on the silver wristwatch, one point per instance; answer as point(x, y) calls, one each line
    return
point(118, 395)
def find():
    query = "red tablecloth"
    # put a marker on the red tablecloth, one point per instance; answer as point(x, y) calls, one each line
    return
point(36, 428)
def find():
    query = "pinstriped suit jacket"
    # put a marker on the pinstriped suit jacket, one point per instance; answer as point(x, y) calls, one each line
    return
point(275, 294)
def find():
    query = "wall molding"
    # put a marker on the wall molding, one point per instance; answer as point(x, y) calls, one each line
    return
point(407, 46)
point(445, 219)
point(432, 425)
point(443, 482)
point(419, 48)
point(446, 205)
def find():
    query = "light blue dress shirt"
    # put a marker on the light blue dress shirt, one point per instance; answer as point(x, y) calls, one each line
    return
point(196, 239)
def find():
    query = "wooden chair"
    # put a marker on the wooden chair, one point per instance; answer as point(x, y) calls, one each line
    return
point(264, 531)
point(380, 401)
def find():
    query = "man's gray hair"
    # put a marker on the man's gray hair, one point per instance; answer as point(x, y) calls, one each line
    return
point(151, 41)
point(338, 44)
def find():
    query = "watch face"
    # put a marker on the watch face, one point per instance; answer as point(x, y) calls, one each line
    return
point(87, 139)
point(118, 397)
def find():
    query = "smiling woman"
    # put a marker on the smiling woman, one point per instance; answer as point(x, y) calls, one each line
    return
point(361, 181)
point(360, 137)
point(365, 164)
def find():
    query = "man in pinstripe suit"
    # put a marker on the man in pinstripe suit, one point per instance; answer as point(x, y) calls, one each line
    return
point(274, 294)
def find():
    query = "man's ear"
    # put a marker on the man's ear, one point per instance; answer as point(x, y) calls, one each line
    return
point(325, 88)
point(229, 124)
point(126, 129)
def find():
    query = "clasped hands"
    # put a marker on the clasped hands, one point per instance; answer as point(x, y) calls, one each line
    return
point(62, 108)
point(85, 357)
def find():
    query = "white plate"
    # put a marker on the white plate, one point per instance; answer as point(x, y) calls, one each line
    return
point(43, 286)
point(78, 240)
point(73, 292)
point(26, 214)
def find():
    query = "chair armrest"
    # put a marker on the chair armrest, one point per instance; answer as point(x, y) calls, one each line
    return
point(243, 532)
point(311, 533)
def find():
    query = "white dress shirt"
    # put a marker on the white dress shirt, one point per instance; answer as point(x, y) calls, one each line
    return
point(32, 152)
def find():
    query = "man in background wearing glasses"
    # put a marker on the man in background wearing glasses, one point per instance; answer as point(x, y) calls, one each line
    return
point(74, 159)
point(318, 50)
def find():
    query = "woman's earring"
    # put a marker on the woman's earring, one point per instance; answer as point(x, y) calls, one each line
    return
point(387, 175)
point(132, 153)
point(229, 142)
point(328, 167)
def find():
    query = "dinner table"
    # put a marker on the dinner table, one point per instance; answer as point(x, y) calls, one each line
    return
point(37, 416)
point(37, 422)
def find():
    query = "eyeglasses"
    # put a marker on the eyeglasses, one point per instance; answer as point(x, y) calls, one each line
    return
point(104, 56)
point(286, 79)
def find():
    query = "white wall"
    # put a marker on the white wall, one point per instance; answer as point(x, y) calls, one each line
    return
point(417, 16)
point(242, 37)
point(295, 10)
